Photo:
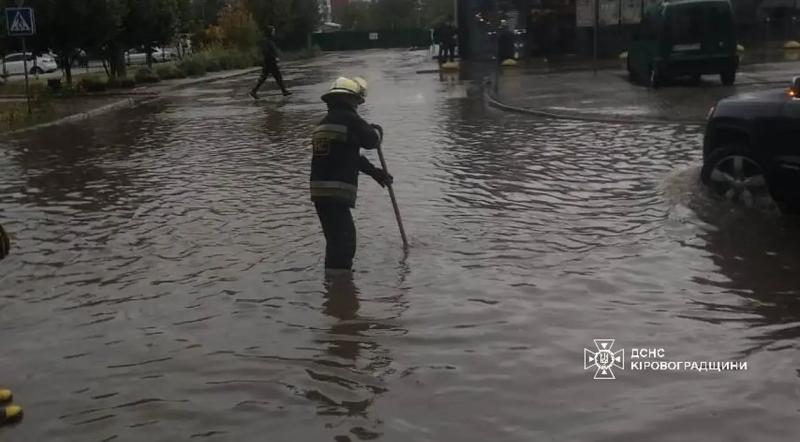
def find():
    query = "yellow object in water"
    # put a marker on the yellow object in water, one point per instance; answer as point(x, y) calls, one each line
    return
point(791, 45)
point(449, 66)
point(5, 395)
point(10, 414)
point(509, 62)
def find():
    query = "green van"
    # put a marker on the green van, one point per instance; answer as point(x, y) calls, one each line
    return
point(685, 38)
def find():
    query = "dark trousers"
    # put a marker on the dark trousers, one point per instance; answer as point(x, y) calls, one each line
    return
point(270, 68)
point(447, 52)
point(340, 235)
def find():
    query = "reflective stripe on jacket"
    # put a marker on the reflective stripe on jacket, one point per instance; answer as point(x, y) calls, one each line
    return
point(336, 160)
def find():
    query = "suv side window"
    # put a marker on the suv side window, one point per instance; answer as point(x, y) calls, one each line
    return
point(650, 25)
point(13, 58)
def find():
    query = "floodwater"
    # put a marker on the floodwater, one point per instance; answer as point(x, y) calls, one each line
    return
point(166, 279)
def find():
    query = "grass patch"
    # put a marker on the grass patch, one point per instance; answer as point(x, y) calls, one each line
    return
point(169, 71)
point(14, 115)
point(146, 75)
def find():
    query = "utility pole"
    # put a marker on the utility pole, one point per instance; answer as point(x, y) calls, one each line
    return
point(596, 33)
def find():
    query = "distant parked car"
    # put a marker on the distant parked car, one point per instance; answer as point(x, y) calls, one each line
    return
point(14, 64)
point(685, 38)
point(751, 152)
point(139, 56)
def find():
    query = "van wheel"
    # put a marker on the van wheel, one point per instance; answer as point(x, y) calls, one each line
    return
point(728, 77)
point(631, 75)
point(735, 174)
point(654, 78)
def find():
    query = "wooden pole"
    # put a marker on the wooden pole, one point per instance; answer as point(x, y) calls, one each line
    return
point(25, 67)
point(394, 201)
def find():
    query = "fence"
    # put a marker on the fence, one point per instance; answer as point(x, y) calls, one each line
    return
point(352, 40)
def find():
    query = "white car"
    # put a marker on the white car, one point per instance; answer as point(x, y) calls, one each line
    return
point(14, 64)
point(137, 56)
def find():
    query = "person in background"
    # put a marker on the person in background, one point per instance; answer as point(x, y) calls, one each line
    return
point(335, 165)
point(270, 53)
point(505, 43)
point(447, 36)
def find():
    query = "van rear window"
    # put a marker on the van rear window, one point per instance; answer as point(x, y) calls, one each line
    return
point(688, 25)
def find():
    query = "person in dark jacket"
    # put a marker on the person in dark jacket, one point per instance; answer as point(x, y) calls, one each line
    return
point(335, 165)
point(447, 36)
point(270, 53)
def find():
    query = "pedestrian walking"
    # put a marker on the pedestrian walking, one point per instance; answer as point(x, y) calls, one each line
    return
point(269, 50)
point(335, 165)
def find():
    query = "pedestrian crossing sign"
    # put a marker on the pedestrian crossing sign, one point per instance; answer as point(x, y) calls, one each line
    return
point(20, 22)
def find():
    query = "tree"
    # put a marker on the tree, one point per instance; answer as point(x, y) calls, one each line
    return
point(149, 23)
point(237, 25)
point(62, 27)
point(356, 16)
point(205, 11)
point(294, 19)
point(392, 14)
point(435, 12)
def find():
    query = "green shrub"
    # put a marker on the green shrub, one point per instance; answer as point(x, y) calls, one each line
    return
point(121, 83)
point(93, 84)
point(146, 75)
point(192, 66)
point(212, 63)
point(169, 71)
point(303, 54)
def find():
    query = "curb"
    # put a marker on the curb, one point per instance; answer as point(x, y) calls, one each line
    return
point(495, 102)
point(128, 102)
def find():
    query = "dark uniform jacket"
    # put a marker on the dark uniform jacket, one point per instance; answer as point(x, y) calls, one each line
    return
point(269, 51)
point(337, 160)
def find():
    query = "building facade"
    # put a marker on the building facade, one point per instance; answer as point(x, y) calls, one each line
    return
point(558, 27)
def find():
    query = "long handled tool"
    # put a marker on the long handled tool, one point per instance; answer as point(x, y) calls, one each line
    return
point(394, 200)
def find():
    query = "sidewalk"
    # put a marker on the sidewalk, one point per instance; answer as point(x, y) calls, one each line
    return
point(608, 96)
point(78, 108)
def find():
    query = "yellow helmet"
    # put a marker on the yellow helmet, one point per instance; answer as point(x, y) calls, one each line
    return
point(355, 87)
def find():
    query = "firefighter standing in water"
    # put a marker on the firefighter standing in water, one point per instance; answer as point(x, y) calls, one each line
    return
point(335, 165)
point(270, 52)
point(8, 413)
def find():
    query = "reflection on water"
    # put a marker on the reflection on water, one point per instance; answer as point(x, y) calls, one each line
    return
point(167, 281)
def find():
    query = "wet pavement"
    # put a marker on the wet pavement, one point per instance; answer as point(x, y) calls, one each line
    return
point(609, 95)
point(166, 278)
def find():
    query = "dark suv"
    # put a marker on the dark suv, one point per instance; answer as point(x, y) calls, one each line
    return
point(751, 151)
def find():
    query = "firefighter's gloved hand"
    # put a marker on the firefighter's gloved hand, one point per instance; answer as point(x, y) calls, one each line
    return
point(382, 177)
point(5, 243)
point(378, 128)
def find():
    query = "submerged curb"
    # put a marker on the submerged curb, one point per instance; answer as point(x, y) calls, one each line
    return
point(495, 102)
point(129, 102)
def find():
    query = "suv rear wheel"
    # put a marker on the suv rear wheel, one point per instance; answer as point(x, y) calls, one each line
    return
point(734, 173)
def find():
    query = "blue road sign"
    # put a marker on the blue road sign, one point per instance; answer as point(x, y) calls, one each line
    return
point(20, 22)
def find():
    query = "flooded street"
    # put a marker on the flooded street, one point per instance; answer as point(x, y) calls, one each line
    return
point(166, 280)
